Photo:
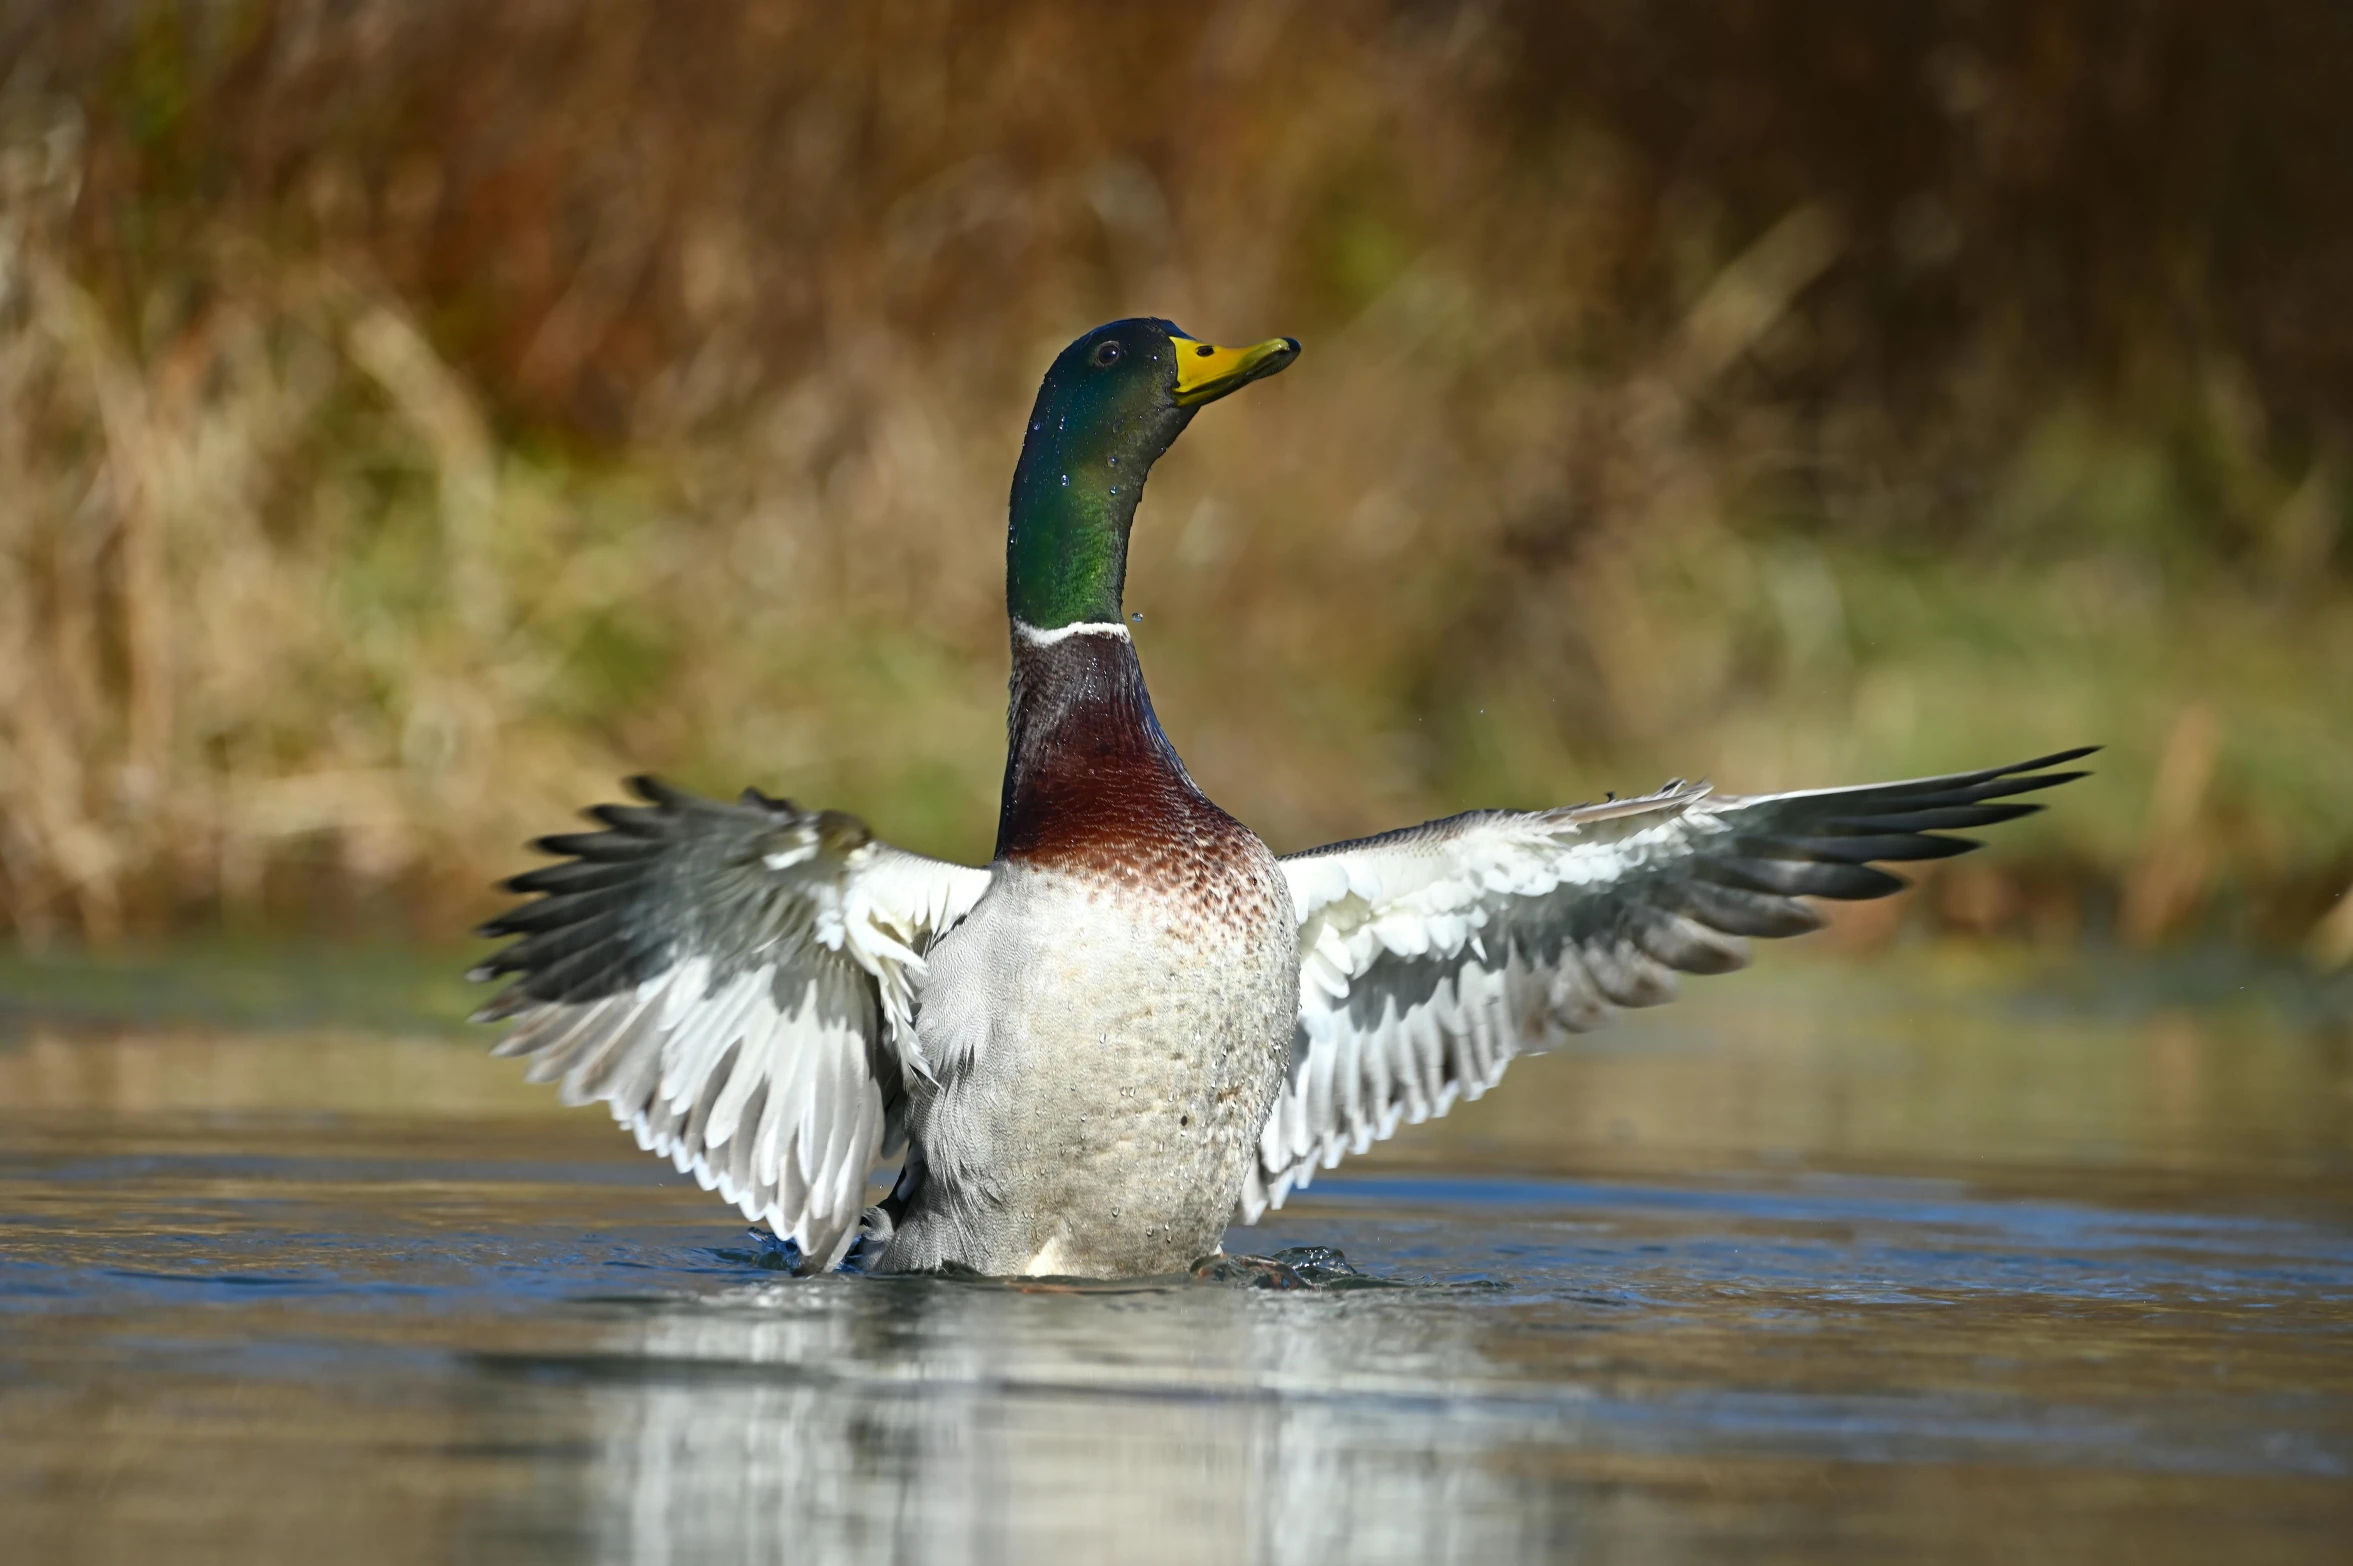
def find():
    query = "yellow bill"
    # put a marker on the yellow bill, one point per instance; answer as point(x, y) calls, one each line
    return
point(1206, 372)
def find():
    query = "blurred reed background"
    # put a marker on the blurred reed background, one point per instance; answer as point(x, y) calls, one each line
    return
point(415, 414)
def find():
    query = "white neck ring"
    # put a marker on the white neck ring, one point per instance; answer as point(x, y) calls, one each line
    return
point(1062, 633)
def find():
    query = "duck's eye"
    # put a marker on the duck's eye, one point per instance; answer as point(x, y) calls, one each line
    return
point(1107, 355)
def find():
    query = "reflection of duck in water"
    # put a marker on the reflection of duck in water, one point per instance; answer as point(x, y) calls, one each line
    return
point(1136, 1019)
point(945, 1422)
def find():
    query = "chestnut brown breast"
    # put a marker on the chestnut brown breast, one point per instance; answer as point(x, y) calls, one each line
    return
point(1091, 783)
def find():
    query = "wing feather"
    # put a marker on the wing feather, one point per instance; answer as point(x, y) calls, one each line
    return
point(1431, 957)
point(738, 983)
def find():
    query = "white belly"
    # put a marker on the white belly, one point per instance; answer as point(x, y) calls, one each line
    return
point(1105, 1056)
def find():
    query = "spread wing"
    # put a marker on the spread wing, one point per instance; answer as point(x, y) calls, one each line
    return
point(738, 981)
point(1429, 957)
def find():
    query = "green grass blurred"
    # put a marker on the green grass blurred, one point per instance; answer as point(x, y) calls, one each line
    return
point(411, 423)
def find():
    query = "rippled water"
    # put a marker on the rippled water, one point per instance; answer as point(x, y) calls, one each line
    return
point(1928, 1259)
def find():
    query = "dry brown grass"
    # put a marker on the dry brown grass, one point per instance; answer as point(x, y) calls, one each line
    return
point(412, 417)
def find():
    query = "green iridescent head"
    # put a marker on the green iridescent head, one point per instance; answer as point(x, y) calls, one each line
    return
point(1110, 405)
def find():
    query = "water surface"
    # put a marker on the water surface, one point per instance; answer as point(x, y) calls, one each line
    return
point(1939, 1258)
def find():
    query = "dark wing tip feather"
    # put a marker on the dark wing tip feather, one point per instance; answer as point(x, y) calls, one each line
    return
point(1942, 818)
point(602, 847)
point(654, 791)
point(1958, 800)
point(1741, 911)
point(1827, 844)
point(1802, 877)
point(1936, 795)
point(2002, 788)
point(1858, 848)
point(2009, 779)
point(638, 821)
point(593, 967)
point(578, 937)
point(2057, 758)
point(577, 875)
point(550, 912)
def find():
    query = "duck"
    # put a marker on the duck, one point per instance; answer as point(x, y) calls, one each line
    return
point(1136, 1025)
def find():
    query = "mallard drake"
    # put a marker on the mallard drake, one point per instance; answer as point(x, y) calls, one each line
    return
point(1136, 1023)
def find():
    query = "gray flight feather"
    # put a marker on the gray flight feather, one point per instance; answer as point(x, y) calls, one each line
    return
point(738, 982)
point(1429, 957)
